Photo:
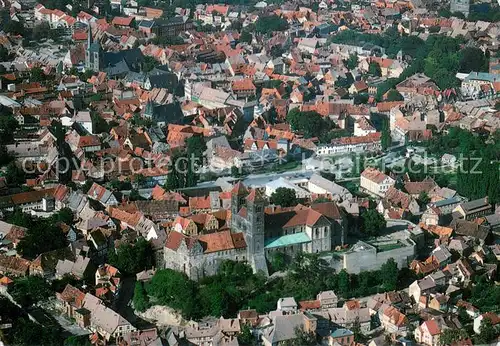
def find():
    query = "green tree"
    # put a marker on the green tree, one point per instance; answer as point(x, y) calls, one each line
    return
point(394, 95)
point(279, 261)
point(37, 74)
point(132, 258)
point(374, 69)
point(487, 331)
point(450, 336)
point(99, 124)
point(473, 59)
point(8, 126)
point(268, 24)
point(344, 282)
point(15, 175)
point(77, 340)
point(172, 288)
point(25, 332)
point(63, 215)
point(423, 198)
point(385, 139)
point(284, 197)
point(30, 290)
point(389, 274)
point(352, 62)
point(135, 196)
point(303, 338)
point(196, 147)
point(246, 337)
point(235, 171)
point(141, 299)
point(372, 222)
point(14, 27)
point(5, 157)
point(149, 63)
point(246, 37)
point(35, 241)
point(310, 123)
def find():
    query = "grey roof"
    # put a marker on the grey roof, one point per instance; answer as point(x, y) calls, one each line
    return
point(102, 316)
point(120, 63)
point(146, 23)
point(283, 328)
point(287, 302)
point(330, 186)
point(493, 220)
point(448, 201)
point(470, 228)
point(441, 253)
point(426, 283)
point(475, 204)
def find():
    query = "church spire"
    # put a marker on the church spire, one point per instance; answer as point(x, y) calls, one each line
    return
point(89, 37)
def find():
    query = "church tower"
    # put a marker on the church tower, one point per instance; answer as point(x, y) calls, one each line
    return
point(254, 235)
point(93, 53)
point(238, 194)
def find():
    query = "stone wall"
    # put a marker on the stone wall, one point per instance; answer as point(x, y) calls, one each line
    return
point(358, 261)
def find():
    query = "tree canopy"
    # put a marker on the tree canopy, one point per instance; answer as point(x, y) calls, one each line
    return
point(132, 259)
point(30, 290)
point(284, 197)
point(311, 123)
point(372, 222)
point(268, 24)
point(394, 95)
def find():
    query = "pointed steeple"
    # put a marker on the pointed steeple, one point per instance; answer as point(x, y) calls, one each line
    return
point(89, 37)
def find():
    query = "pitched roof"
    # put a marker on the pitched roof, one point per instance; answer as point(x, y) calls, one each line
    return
point(374, 175)
point(220, 241)
point(239, 189)
point(432, 327)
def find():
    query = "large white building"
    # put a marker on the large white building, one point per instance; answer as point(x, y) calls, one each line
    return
point(375, 182)
point(369, 143)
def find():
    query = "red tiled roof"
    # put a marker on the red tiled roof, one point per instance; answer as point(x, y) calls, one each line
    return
point(374, 175)
point(239, 189)
point(174, 240)
point(220, 241)
point(309, 305)
point(432, 327)
point(122, 21)
point(243, 84)
point(307, 217)
point(199, 202)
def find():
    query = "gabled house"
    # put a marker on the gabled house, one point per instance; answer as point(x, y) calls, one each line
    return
point(473, 209)
point(428, 333)
point(102, 195)
point(394, 321)
point(375, 182)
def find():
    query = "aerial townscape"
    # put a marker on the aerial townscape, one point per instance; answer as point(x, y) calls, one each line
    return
point(254, 173)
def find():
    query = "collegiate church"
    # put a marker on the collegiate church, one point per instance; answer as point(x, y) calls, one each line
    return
point(256, 231)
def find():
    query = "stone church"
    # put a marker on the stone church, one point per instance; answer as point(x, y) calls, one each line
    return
point(256, 232)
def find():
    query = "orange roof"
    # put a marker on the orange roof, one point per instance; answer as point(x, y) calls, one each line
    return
point(4, 281)
point(122, 21)
point(309, 305)
point(352, 304)
point(374, 175)
point(396, 317)
point(199, 202)
point(387, 106)
point(307, 217)
point(243, 84)
point(220, 241)
point(432, 327)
